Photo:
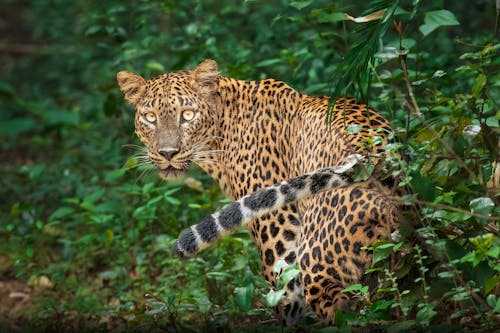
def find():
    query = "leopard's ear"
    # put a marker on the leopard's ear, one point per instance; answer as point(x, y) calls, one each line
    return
point(131, 85)
point(206, 76)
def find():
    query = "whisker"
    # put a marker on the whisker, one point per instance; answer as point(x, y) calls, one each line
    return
point(207, 154)
point(144, 166)
point(142, 161)
point(135, 147)
point(204, 161)
point(205, 142)
point(209, 151)
point(144, 174)
point(139, 163)
point(132, 145)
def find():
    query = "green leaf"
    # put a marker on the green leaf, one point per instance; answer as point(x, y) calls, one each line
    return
point(491, 300)
point(381, 253)
point(243, 297)
point(385, 246)
point(29, 251)
point(482, 206)
point(407, 43)
point(331, 17)
point(279, 265)
point(154, 200)
point(363, 290)
point(39, 224)
point(156, 307)
point(148, 187)
point(403, 326)
point(92, 30)
point(274, 297)
point(143, 212)
point(16, 126)
point(436, 19)
point(117, 271)
point(479, 84)
point(491, 283)
point(61, 117)
point(492, 121)
point(340, 318)
point(6, 89)
point(61, 212)
point(353, 129)
point(93, 197)
point(288, 275)
point(171, 191)
point(155, 66)
point(471, 257)
point(423, 186)
point(220, 275)
point(173, 201)
point(381, 304)
point(425, 314)
point(494, 252)
point(114, 174)
point(301, 4)
point(267, 62)
point(461, 296)
point(203, 302)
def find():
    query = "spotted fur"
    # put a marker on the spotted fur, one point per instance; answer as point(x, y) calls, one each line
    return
point(250, 135)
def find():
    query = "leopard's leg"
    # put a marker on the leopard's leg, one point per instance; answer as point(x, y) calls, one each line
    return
point(337, 225)
point(277, 235)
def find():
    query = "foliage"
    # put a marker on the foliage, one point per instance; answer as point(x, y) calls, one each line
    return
point(90, 230)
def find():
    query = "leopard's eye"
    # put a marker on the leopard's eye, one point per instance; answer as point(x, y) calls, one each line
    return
point(150, 116)
point(188, 115)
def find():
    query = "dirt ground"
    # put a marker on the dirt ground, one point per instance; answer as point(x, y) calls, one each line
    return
point(15, 301)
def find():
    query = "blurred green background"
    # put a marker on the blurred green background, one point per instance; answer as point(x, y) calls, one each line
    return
point(86, 234)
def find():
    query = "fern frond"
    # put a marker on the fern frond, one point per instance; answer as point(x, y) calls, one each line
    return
point(356, 74)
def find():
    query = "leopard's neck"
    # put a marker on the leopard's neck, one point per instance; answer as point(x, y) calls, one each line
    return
point(245, 120)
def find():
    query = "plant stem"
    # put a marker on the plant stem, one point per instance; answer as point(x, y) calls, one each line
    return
point(402, 58)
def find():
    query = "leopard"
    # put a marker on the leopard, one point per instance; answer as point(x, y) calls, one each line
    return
point(288, 171)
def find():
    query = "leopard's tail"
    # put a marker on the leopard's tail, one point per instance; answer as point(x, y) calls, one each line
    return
point(266, 200)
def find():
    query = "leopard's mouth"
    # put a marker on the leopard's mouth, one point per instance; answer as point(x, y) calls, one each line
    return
point(172, 173)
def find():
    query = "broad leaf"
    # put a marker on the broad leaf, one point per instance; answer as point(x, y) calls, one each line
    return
point(301, 4)
point(16, 126)
point(482, 206)
point(479, 84)
point(243, 297)
point(61, 212)
point(436, 19)
point(274, 297)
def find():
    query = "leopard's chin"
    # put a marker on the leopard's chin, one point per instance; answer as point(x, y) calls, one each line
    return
point(172, 173)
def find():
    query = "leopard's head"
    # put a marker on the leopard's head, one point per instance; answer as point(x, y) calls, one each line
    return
point(175, 116)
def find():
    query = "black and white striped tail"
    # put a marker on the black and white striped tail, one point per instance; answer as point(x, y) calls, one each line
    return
point(238, 213)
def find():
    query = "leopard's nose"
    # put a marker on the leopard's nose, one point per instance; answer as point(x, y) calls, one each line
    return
point(168, 153)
